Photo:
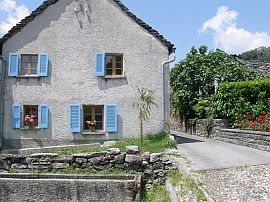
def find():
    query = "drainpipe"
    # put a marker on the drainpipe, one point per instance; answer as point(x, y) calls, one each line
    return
point(2, 80)
point(163, 89)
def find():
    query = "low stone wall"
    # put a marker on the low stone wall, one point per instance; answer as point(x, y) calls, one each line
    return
point(154, 166)
point(254, 139)
point(218, 123)
point(47, 187)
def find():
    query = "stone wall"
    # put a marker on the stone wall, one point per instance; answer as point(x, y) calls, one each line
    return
point(254, 139)
point(218, 123)
point(51, 187)
point(153, 165)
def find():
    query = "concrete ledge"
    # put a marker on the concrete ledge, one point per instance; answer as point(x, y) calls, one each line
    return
point(50, 187)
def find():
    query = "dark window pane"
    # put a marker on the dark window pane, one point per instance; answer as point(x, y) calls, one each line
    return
point(35, 58)
point(24, 68)
point(99, 126)
point(118, 65)
point(99, 110)
point(119, 59)
point(33, 71)
point(108, 58)
point(118, 71)
point(25, 58)
point(87, 109)
point(109, 71)
point(98, 117)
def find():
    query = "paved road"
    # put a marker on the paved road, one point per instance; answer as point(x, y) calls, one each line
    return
point(211, 154)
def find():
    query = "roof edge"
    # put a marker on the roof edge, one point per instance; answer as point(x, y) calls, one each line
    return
point(18, 27)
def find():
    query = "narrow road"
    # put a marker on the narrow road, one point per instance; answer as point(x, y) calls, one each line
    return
point(211, 154)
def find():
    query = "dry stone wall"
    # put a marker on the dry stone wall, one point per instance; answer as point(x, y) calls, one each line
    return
point(153, 165)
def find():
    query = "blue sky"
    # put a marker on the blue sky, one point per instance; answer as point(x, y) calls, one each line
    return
point(231, 25)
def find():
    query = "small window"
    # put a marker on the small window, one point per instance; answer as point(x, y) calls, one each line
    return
point(93, 118)
point(29, 65)
point(113, 65)
point(30, 116)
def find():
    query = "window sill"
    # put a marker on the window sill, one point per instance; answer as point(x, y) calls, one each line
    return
point(115, 77)
point(35, 128)
point(94, 133)
point(28, 76)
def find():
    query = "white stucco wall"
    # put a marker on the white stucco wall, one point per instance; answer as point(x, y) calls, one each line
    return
point(71, 41)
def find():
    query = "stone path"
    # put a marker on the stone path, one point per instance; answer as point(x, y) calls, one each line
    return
point(226, 172)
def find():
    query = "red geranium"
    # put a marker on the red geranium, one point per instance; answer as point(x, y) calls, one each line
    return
point(247, 113)
point(264, 113)
point(239, 117)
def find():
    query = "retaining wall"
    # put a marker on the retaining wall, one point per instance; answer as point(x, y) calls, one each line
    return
point(47, 187)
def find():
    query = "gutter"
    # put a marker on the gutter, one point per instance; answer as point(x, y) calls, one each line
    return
point(2, 82)
point(164, 65)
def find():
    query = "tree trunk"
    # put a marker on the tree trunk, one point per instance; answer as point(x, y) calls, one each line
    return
point(141, 135)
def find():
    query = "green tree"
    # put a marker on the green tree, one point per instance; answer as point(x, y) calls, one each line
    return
point(194, 77)
point(144, 104)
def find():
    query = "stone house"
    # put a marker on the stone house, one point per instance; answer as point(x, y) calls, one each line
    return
point(72, 69)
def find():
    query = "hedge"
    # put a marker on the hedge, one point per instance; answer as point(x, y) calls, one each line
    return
point(236, 98)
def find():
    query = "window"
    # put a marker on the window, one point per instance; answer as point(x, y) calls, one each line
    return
point(113, 65)
point(93, 117)
point(30, 116)
point(29, 64)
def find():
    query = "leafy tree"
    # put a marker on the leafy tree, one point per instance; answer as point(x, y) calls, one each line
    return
point(194, 78)
point(144, 104)
point(261, 54)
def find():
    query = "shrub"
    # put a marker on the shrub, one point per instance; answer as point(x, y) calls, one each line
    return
point(237, 98)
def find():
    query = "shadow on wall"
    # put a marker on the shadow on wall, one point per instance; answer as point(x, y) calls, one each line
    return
point(105, 84)
point(36, 81)
point(84, 10)
point(29, 138)
point(48, 17)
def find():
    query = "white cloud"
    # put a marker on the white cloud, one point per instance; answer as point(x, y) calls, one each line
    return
point(229, 37)
point(14, 14)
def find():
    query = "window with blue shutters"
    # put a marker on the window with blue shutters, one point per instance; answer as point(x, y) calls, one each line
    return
point(43, 63)
point(44, 116)
point(111, 117)
point(16, 116)
point(75, 118)
point(13, 66)
point(99, 63)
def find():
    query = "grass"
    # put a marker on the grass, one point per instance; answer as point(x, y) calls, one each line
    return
point(87, 170)
point(187, 185)
point(152, 143)
point(154, 193)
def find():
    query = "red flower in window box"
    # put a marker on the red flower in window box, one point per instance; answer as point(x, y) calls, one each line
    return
point(91, 125)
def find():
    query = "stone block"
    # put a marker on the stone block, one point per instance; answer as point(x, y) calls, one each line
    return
point(132, 149)
point(154, 157)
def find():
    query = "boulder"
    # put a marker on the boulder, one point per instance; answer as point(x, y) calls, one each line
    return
point(59, 165)
point(80, 160)
point(132, 149)
point(119, 158)
point(45, 155)
point(154, 157)
point(19, 166)
point(134, 159)
point(90, 155)
point(113, 151)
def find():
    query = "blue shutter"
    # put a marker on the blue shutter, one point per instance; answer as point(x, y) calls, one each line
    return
point(16, 116)
point(43, 63)
point(13, 67)
point(75, 118)
point(111, 117)
point(43, 116)
point(99, 63)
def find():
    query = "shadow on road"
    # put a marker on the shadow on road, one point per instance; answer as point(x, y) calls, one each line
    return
point(185, 140)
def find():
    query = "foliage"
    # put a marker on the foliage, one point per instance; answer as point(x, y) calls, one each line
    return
point(209, 124)
point(194, 78)
point(239, 97)
point(186, 185)
point(248, 122)
point(144, 104)
point(155, 193)
point(202, 108)
point(158, 142)
point(261, 54)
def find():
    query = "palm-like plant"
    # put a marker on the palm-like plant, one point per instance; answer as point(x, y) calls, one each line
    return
point(144, 104)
